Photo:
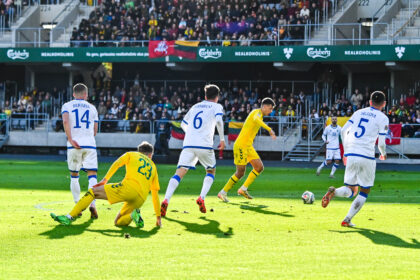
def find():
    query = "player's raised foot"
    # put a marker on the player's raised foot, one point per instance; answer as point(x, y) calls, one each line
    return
point(318, 171)
point(244, 193)
point(332, 176)
point(201, 205)
point(64, 220)
point(137, 219)
point(223, 197)
point(327, 197)
point(163, 208)
point(93, 212)
point(347, 223)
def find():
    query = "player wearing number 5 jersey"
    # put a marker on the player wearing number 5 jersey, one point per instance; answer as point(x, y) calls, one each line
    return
point(359, 136)
point(141, 177)
point(199, 125)
point(80, 121)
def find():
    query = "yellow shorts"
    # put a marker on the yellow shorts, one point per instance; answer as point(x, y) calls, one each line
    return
point(118, 192)
point(243, 155)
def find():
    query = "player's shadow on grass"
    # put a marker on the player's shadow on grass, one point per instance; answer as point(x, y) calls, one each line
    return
point(212, 227)
point(382, 238)
point(261, 209)
point(126, 232)
point(60, 231)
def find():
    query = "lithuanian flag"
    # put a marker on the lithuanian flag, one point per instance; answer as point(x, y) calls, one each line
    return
point(177, 132)
point(186, 49)
point(234, 129)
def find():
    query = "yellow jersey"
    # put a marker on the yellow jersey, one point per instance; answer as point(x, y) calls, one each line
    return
point(140, 173)
point(249, 130)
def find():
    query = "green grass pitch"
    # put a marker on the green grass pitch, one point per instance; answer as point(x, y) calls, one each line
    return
point(274, 236)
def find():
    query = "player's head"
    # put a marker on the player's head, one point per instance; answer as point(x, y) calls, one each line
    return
point(146, 148)
point(334, 120)
point(80, 91)
point(377, 100)
point(212, 93)
point(267, 106)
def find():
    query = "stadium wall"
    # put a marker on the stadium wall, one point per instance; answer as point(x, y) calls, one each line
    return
point(129, 141)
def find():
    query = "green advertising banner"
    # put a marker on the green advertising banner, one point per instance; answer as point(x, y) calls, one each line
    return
point(219, 54)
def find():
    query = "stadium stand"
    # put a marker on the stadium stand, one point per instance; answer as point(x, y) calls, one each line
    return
point(133, 109)
point(227, 23)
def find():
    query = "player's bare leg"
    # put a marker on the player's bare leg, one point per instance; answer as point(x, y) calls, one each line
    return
point(92, 181)
point(258, 167)
point(323, 164)
point(172, 185)
point(240, 172)
point(207, 182)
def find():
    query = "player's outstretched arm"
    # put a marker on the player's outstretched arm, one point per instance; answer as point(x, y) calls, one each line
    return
point(382, 147)
point(265, 126)
point(67, 130)
point(121, 161)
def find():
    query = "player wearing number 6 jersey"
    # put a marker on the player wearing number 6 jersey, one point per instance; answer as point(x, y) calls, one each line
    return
point(359, 136)
point(199, 125)
point(141, 177)
point(80, 121)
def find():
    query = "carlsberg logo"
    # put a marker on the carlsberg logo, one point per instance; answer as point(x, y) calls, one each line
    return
point(206, 53)
point(314, 53)
point(12, 54)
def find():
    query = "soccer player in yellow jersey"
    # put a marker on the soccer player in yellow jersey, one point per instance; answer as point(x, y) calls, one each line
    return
point(141, 177)
point(244, 152)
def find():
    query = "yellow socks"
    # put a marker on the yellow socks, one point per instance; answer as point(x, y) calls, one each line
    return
point(124, 220)
point(251, 177)
point(232, 181)
point(83, 203)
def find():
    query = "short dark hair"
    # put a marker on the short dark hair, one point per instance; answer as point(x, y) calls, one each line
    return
point(145, 148)
point(211, 91)
point(377, 98)
point(80, 88)
point(268, 101)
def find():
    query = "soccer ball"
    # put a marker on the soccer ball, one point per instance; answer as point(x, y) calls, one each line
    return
point(308, 197)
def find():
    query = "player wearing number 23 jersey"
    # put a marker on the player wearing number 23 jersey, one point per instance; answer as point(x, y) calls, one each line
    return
point(141, 177)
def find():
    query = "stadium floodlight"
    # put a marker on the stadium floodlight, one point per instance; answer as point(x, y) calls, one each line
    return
point(48, 25)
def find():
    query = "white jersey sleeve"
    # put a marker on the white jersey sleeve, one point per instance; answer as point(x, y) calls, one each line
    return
point(82, 116)
point(200, 124)
point(366, 125)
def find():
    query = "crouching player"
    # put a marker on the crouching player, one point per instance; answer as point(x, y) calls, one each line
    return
point(359, 136)
point(141, 177)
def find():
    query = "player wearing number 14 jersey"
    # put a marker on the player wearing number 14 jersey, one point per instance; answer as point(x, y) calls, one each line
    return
point(199, 125)
point(359, 136)
point(80, 121)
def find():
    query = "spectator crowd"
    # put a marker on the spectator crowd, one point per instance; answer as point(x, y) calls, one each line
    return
point(213, 22)
point(143, 104)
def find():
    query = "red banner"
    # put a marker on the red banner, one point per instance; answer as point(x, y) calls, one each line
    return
point(394, 134)
point(161, 48)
